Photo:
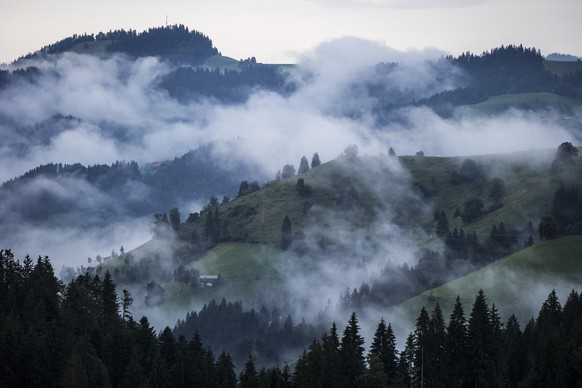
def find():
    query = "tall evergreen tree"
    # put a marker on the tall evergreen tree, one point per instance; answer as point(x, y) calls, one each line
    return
point(383, 348)
point(437, 364)
point(315, 160)
point(480, 361)
point(225, 374)
point(406, 361)
point(442, 228)
point(457, 345)
point(109, 298)
point(303, 166)
point(286, 233)
point(315, 365)
point(331, 358)
point(422, 348)
point(515, 362)
point(174, 216)
point(352, 352)
point(248, 377)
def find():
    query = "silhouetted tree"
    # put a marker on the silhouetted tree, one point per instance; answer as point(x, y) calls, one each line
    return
point(175, 218)
point(352, 352)
point(565, 155)
point(315, 160)
point(288, 171)
point(286, 233)
point(547, 228)
point(303, 166)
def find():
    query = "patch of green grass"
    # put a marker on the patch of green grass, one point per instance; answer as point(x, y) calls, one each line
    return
point(221, 62)
point(527, 101)
point(246, 272)
point(517, 284)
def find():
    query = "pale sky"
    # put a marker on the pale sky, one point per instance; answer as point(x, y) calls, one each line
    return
point(279, 31)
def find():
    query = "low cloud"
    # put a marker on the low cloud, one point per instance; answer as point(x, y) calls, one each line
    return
point(124, 116)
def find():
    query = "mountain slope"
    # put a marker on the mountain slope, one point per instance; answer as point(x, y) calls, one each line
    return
point(517, 284)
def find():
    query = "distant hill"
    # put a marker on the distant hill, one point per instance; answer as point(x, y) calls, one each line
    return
point(506, 70)
point(132, 190)
point(175, 42)
point(562, 57)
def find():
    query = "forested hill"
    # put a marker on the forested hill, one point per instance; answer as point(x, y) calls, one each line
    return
point(505, 70)
point(132, 190)
point(175, 42)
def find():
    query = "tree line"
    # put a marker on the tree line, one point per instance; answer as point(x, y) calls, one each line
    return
point(470, 351)
point(503, 70)
point(83, 334)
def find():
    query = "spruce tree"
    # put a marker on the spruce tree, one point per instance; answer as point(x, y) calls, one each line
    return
point(456, 347)
point(315, 160)
point(225, 375)
point(480, 361)
point(303, 166)
point(383, 348)
point(437, 365)
point(515, 365)
point(331, 359)
point(315, 365)
point(442, 228)
point(422, 348)
point(406, 362)
point(286, 233)
point(352, 352)
point(248, 377)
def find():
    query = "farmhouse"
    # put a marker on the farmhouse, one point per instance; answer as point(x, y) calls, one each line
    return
point(208, 280)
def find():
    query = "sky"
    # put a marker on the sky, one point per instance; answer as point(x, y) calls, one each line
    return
point(280, 31)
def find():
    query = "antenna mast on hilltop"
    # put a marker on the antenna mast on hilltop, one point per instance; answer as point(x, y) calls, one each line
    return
point(166, 20)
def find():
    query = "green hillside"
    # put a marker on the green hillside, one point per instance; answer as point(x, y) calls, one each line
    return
point(517, 284)
point(525, 101)
point(343, 218)
point(370, 184)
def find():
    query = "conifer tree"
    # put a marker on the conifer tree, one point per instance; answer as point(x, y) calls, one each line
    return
point(303, 166)
point(126, 301)
point(225, 375)
point(286, 233)
point(315, 365)
point(406, 361)
point(248, 377)
point(480, 361)
point(442, 228)
point(315, 160)
point(437, 365)
point(109, 298)
point(331, 357)
point(515, 365)
point(133, 376)
point(384, 349)
point(208, 369)
point(457, 345)
point(422, 349)
point(352, 352)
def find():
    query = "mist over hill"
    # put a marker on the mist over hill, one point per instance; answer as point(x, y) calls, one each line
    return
point(104, 129)
point(213, 191)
